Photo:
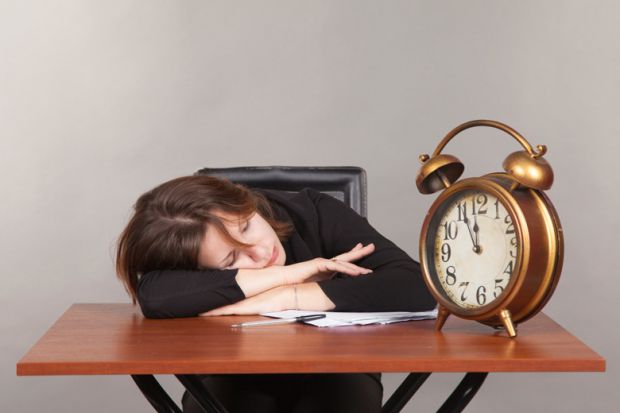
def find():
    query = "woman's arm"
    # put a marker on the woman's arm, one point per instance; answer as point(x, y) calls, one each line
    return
point(307, 296)
point(396, 283)
point(181, 293)
point(256, 281)
point(186, 293)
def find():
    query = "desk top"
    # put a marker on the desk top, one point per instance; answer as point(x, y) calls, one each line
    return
point(117, 339)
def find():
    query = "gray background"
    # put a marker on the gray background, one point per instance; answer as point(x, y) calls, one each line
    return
point(101, 100)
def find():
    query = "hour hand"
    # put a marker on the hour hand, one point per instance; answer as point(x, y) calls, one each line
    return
point(471, 235)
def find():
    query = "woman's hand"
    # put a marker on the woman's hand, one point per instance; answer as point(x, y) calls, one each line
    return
point(257, 281)
point(356, 253)
point(319, 269)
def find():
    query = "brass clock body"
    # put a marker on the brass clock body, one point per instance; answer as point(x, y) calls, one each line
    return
point(511, 288)
point(491, 247)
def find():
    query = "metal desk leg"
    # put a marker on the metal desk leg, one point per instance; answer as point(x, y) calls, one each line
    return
point(404, 392)
point(464, 392)
point(154, 393)
point(200, 393)
point(456, 402)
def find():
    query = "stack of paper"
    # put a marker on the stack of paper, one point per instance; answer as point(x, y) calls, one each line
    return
point(337, 319)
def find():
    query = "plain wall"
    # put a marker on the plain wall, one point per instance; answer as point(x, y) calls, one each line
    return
point(102, 100)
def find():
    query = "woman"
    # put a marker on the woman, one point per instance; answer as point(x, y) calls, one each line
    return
point(201, 245)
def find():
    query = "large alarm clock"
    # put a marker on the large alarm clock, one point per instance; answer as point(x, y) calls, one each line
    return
point(491, 247)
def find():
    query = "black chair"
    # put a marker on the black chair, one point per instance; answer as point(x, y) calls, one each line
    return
point(348, 184)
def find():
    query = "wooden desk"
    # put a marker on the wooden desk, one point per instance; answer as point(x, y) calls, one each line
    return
point(116, 339)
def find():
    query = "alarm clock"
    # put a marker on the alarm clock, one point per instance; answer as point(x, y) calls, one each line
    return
point(491, 247)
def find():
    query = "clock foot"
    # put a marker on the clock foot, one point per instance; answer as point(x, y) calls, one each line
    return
point(504, 315)
point(442, 316)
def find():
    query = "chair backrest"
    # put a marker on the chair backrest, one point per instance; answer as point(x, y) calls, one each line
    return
point(346, 183)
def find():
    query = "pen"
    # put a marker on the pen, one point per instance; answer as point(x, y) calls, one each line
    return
point(299, 319)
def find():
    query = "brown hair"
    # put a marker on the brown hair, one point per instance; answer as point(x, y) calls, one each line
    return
point(169, 223)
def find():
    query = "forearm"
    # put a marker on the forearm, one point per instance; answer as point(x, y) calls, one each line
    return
point(308, 296)
point(256, 281)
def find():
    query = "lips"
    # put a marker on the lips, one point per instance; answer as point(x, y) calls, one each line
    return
point(274, 257)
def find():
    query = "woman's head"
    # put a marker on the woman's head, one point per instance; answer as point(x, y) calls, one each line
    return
point(198, 222)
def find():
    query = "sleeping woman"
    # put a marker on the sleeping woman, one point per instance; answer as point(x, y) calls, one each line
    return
point(204, 246)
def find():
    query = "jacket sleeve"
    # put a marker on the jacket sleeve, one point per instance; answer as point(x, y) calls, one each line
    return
point(186, 293)
point(395, 284)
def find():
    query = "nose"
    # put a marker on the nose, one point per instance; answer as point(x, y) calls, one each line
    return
point(260, 254)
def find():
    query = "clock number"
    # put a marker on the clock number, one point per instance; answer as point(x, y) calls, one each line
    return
point(513, 242)
point(496, 209)
point(511, 228)
point(451, 230)
point(462, 211)
point(481, 296)
point(501, 289)
point(446, 252)
point(509, 268)
point(450, 275)
point(463, 284)
point(482, 200)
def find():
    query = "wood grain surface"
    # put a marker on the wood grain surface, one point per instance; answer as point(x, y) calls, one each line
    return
point(116, 339)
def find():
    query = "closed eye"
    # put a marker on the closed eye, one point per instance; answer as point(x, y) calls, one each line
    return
point(232, 261)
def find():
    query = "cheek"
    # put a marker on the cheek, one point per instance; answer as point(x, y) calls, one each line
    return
point(264, 231)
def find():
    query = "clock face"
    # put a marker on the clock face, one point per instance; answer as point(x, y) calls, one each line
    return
point(472, 248)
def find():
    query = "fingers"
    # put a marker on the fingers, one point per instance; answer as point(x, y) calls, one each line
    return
point(344, 267)
point(357, 246)
point(356, 253)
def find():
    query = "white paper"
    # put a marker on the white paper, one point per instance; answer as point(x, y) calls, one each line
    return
point(340, 319)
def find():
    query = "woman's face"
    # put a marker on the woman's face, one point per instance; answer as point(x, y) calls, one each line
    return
point(266, 249)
